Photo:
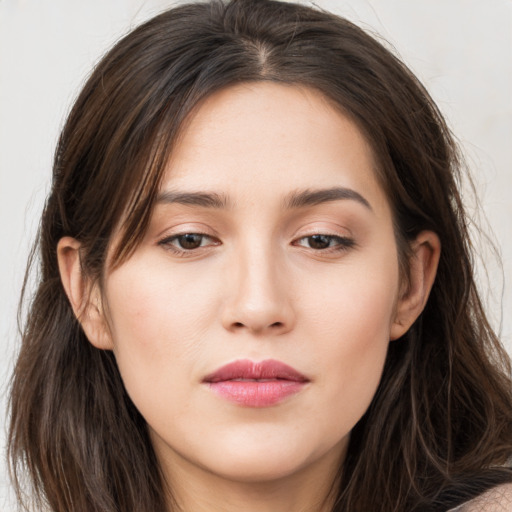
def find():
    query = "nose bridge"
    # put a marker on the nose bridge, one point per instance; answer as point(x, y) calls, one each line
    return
point(258, 298)
point(258, 283)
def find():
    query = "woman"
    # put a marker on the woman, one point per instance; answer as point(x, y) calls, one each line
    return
point(256, 287)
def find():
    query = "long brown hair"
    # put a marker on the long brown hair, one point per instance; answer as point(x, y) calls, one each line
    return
point(442, 416)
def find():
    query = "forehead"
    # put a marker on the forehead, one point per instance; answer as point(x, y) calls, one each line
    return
point(273, 137)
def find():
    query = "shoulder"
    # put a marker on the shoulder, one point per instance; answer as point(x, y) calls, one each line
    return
point(497, 499)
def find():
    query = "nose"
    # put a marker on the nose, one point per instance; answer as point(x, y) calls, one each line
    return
point(259, 299)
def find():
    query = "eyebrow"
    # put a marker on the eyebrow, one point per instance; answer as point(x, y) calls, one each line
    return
point(204, 199)
point(301, 199)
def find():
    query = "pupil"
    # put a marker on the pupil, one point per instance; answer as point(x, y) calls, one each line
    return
point(319, 241)
point(190, 241)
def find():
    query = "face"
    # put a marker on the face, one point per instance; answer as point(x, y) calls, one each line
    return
point(254, 317)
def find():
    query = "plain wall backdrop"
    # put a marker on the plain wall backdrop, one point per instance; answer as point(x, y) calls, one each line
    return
point(461, 50)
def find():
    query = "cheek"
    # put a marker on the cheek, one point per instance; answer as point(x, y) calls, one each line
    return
point(150, 305)
point(351, 324)
point(355, 304)
point(157, 323)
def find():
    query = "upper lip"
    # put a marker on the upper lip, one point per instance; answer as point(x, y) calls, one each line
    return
point(251, 370)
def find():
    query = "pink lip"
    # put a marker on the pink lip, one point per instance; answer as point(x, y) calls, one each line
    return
point(254, 384)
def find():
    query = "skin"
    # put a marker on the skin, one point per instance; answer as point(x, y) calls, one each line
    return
point(257, 286)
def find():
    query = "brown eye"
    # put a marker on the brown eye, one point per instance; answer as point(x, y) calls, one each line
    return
point(189, 241)
point(319, 241)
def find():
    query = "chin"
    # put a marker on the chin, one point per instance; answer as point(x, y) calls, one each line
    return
point(269, 458)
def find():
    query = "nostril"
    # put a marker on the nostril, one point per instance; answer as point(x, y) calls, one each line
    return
point(275, 325)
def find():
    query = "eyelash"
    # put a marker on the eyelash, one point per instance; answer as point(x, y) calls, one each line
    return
point(342, 243)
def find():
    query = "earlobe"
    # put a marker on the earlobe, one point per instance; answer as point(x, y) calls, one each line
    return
point(84, 297)
point(423, 264)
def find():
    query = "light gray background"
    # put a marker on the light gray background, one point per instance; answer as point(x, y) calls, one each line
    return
point(461, 49)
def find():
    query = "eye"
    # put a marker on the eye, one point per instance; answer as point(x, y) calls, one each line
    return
point(186, 242)
point(321, 242)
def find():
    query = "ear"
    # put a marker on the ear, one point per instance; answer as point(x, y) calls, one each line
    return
point(423, 263)
point(85, 298)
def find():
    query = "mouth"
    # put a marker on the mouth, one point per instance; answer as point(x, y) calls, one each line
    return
point(256, 384)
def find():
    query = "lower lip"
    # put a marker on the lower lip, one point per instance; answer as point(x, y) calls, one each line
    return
point(256, 394)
